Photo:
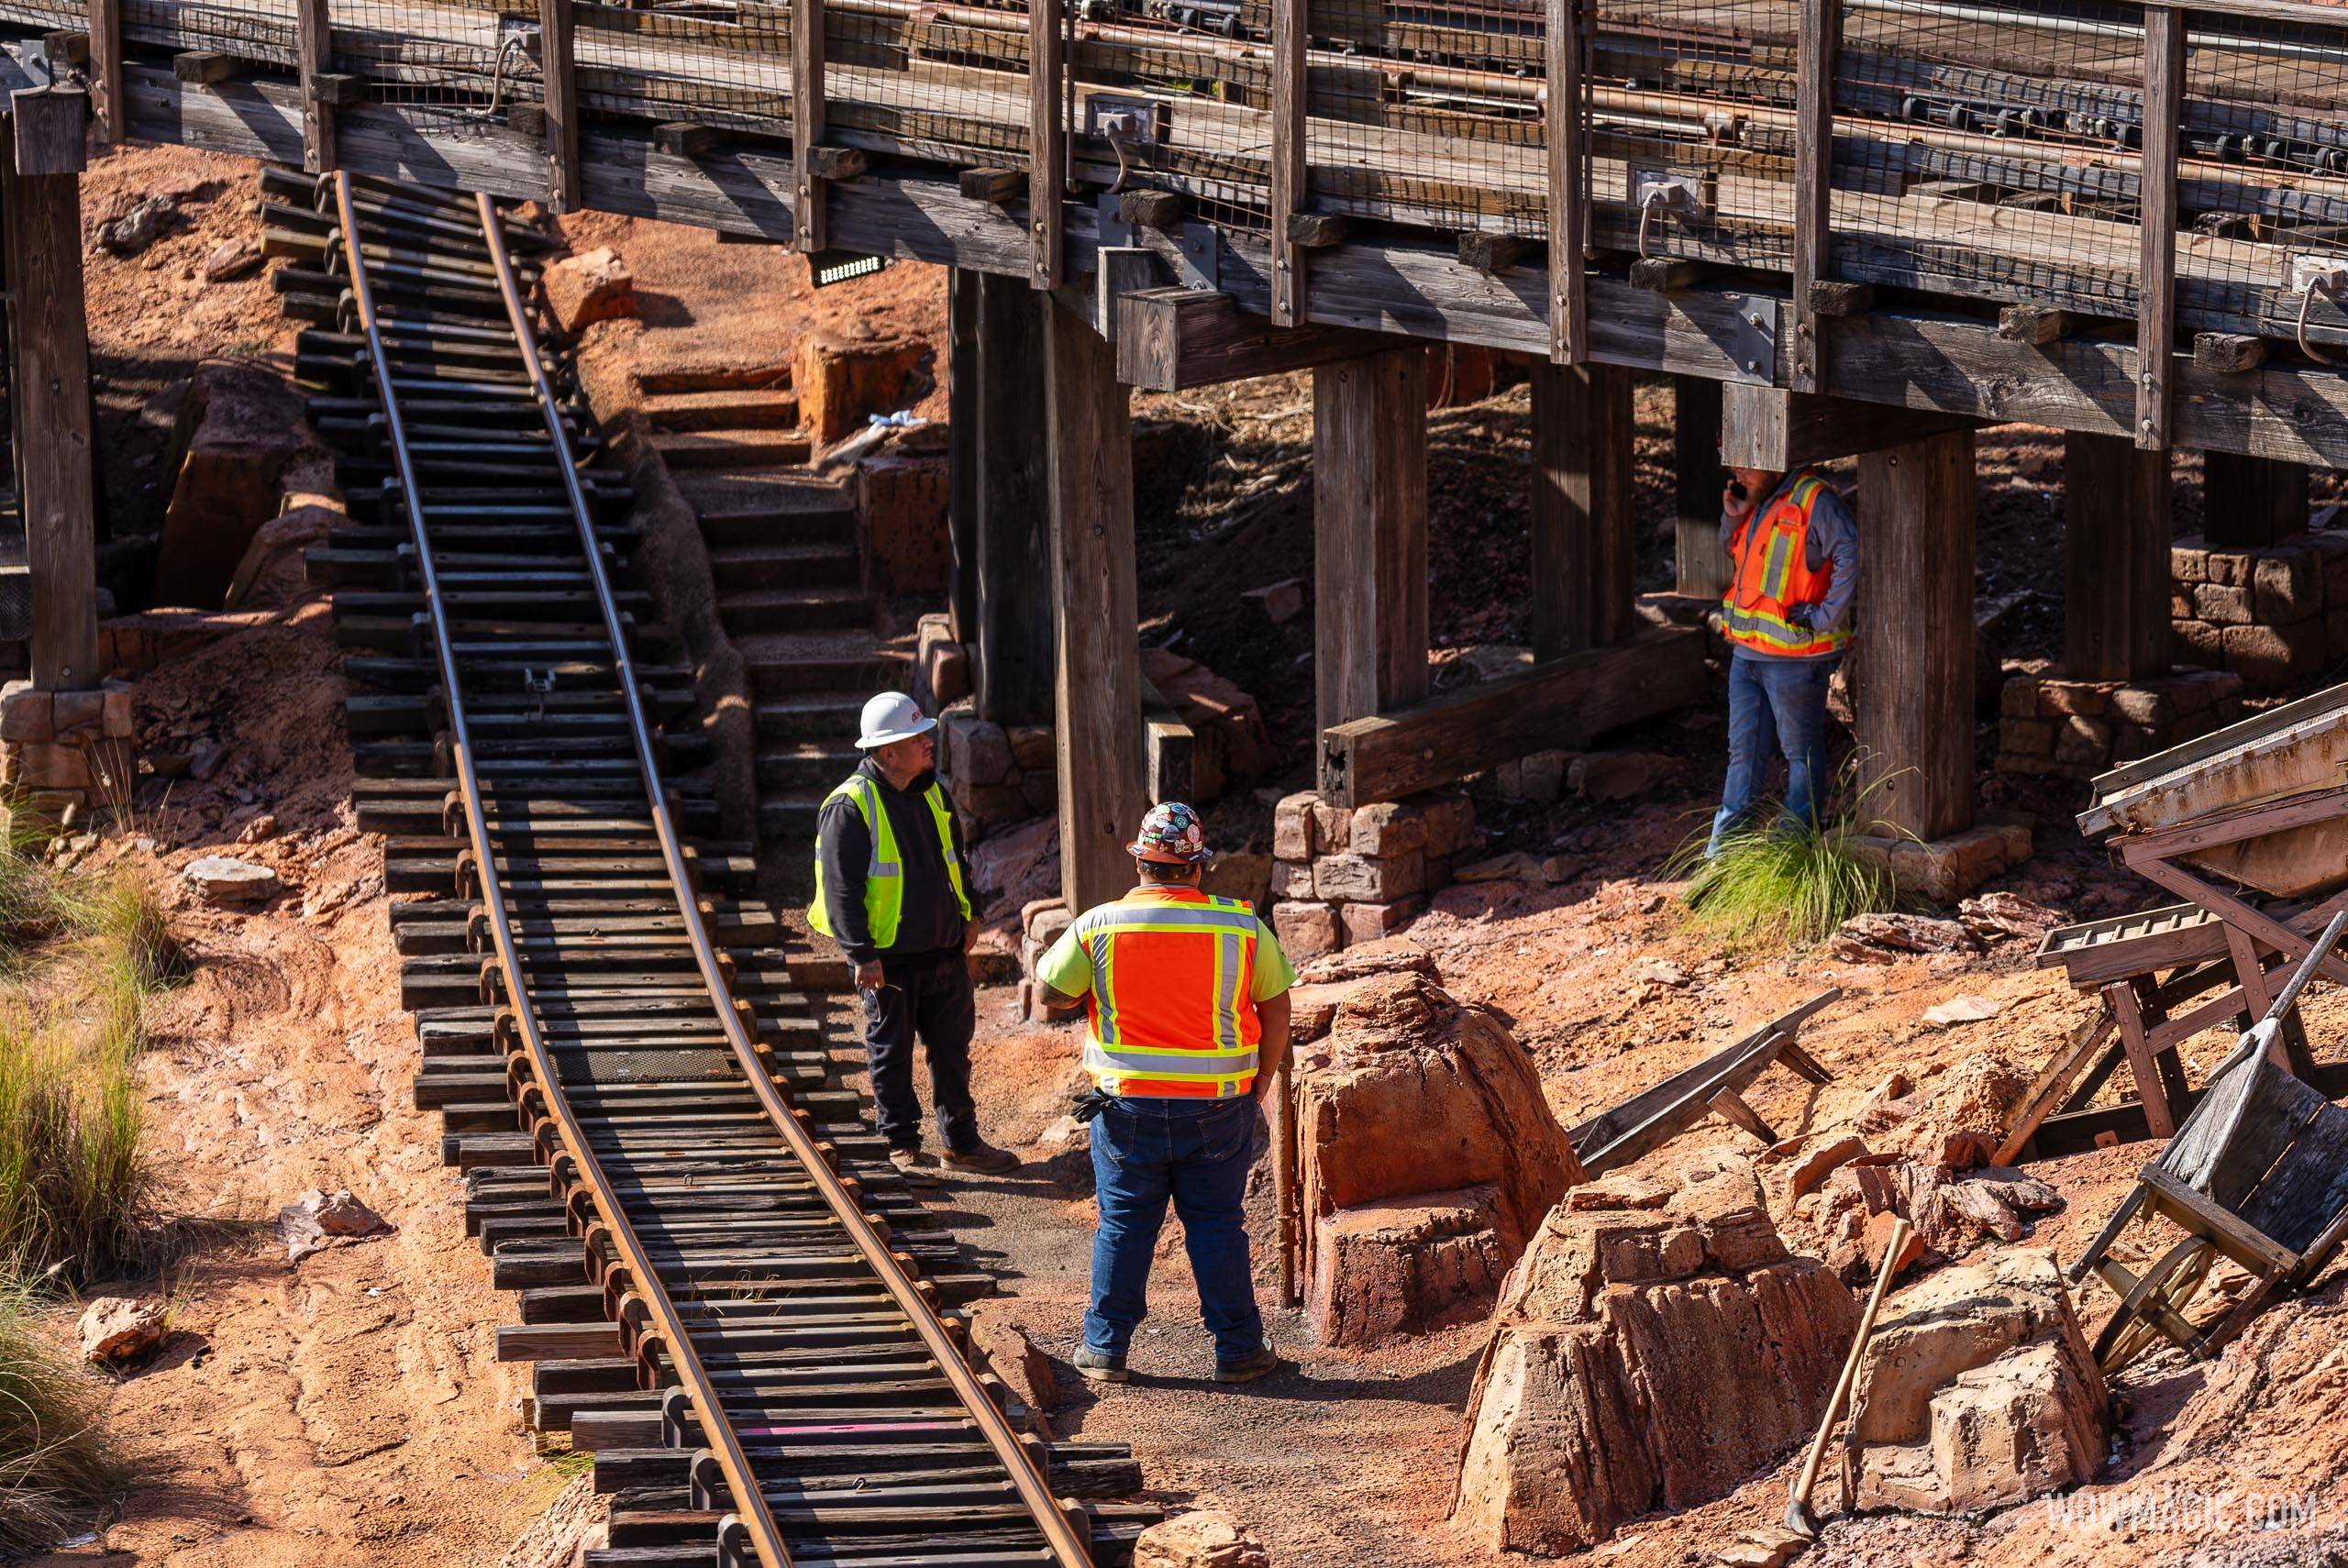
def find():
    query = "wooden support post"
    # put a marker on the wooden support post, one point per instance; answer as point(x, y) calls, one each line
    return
point(1818, 44)
point(314, 53)
point(50, 386)
point(962, 456)
point(2156, 274)
point(2116, 522)
point(53, 129)
point(557, 66)
point(1915, 604)
point(1568, 211)
point(1585, 556)
point(106, 104)
point(1701, 568)
point(807, 122)
point(1090, 435)
point(1290, 176)
point(1046, 148)
point(1012, 673)
point(2249, 502)
point(1369, 531)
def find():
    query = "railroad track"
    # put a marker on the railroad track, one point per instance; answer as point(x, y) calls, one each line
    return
point(729, 1295)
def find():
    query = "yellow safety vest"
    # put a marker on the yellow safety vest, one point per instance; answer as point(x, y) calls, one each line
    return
point(884, 874)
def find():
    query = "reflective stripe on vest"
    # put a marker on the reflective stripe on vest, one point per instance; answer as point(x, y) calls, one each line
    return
point(1773, 574)
point(1172, 1008)
point(884, 870)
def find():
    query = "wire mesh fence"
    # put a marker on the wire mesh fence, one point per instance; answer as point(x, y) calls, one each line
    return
point(453, 64)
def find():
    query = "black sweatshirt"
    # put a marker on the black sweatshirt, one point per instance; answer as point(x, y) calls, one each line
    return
point(932, 920)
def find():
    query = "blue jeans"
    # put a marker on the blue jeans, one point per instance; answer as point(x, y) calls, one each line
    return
point(1774, 705)
point(1196, 1152)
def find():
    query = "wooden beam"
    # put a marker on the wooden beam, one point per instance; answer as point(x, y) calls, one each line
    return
point(1011, 671)
point(1290, 192)
point(1914, 679)
point(1369, 531)
point(313, 48)
point(2248, 503)
point(1832, 299)
point(1817, 43)
point(1170, 338)
point(2156, 275)
point(1493, 252)
point(2117, 517)
point(204, 67)
point(2033, 324)
point(1667, 274)
point(48, 334)
point(809, 232)
point(963, 381)
point(684, 138)
point(2229, 353)
point(1700, 568)
point(1151, 209)
point(106, 104)
point(1119, 270)
point(997, 187)
point(559, 67)
point(1102, 789)
point(1046, 146)
point(1584, 512)
point(1567, 701)
point(53, 129)
point(1768, 427)
point(1565, 128)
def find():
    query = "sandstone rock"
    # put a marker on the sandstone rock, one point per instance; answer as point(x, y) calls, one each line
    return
point(1815, 1167)
point(240, 425)
point(1395, 956)
point(1280, 601)
point(1515, 867)
point(272, 569)
point(1964, 1119)
point(1619, 774)
point(310, 1221)
point(1368, 922)
point(974, 751)
point(841, 385)
point(1962, 1008)
point(577, 1522)
point(1292, 836)
point(1306, 930)
point(146, 221)
point(223, 880)
point(1976, 1391)
point(1645, 1357)
point(1388, 829)
point(903, 503)
point(1021, 864)
point(1420, 1102)
point(583, 289)
point(116, 1328)
point(1204, 1538)
point(1358, 878)
point(1231, 747)
point(1993, 917)
point(1906, 934)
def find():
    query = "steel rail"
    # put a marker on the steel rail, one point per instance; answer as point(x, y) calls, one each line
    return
point(1067, 1548)
point(766, 1535)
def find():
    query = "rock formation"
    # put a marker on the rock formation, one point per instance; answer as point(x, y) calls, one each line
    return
point(1978, 1390)
point(1428, 1155)
point(1654, 1347)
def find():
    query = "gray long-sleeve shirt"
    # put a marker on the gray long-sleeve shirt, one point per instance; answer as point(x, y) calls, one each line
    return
point(1834, 535)
point(932, 920)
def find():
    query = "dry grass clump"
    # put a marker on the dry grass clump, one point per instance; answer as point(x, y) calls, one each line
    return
point(57, 1464)
point(1789, 883)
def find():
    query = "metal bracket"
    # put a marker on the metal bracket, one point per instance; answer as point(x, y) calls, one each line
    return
point(1194, 256)
point(1752, 339)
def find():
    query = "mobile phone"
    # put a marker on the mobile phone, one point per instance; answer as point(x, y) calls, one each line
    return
point(1736, 487)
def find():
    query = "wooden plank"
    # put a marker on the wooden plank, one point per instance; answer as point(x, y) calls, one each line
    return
point(53, 129)
point(2229, 353)
point(1583, 512)
point(558, 66)
point(1625, 1132)
point(1013, 671)
point(2251, 503)
point(1170, 338)
point(108, 107)
point(1565, 126)
point(1103, 791)
point(1290, 194)
point(1046, 146)
point(1818, 44)
point(50, 382)
point(2156, 285)
point(963, 381)
point(1914, 666)
point(807, 121)
point(1564, 702)
point(1119, 270)
point(314, 42)
point(1777, 430)
point(2196, 1213)
point(1370, 511)
point(2033, 324)
point(2160, 1116)
point(1701, 570)
point(2118, 512)
point(2053, 1081)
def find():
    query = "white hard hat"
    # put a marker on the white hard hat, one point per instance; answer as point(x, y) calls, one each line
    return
point(892, 716)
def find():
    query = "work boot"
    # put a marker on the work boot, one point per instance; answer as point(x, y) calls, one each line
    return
point(981, 1159)
point(1098, 1366)
point(918, 1166)
point(1248, 1368)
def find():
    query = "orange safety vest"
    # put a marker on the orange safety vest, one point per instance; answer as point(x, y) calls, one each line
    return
point(1773, 574)
point(1172, 1009)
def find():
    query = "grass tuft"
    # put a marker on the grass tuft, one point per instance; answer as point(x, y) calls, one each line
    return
point(57, 1465)
point(1787, 884)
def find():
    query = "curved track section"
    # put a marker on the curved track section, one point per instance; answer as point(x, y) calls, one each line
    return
point(729, 1294)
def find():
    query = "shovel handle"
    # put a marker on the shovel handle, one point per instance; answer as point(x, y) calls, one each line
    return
point(1799, 1497)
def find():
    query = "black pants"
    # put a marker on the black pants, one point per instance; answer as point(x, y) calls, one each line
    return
point(925, 995)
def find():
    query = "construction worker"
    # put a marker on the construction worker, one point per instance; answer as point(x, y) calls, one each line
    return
point(1186, 999)
point(889, 889)
point(1787, 611)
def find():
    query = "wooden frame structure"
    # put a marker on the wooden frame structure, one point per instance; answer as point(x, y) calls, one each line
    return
point(1713, 1087)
